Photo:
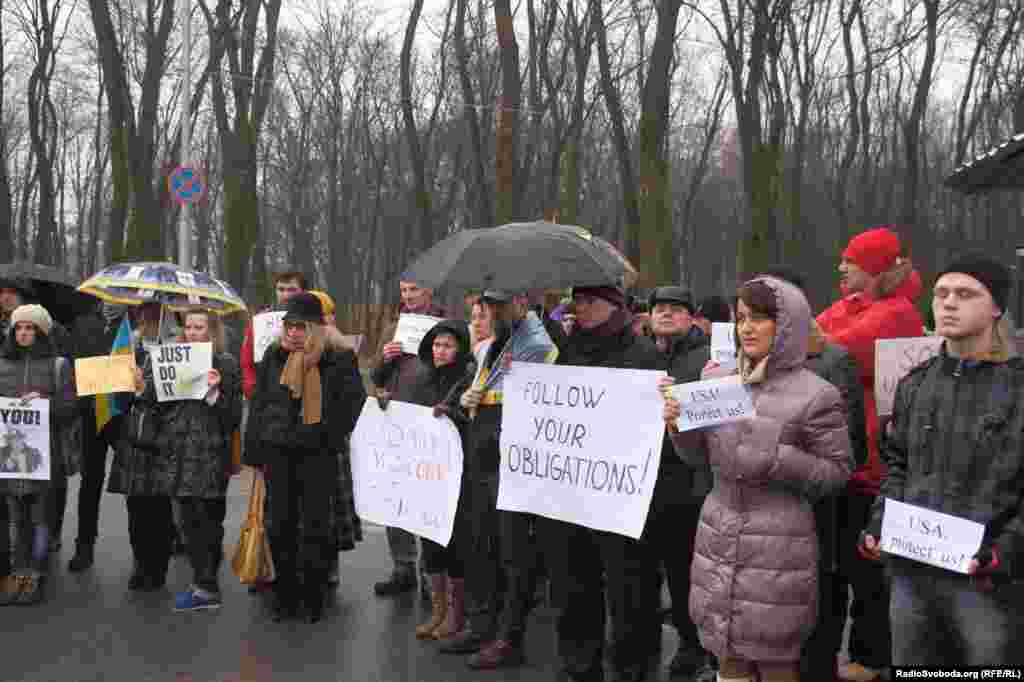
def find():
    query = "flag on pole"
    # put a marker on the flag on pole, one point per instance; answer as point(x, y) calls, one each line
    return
point(110, 405)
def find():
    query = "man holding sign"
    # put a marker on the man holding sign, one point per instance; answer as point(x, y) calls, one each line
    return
point(394, 377)
point(680, 488)
point(286, 284)
point(581, 559)
point(955, 448)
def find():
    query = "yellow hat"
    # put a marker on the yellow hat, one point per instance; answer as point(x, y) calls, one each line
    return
point(325, 301)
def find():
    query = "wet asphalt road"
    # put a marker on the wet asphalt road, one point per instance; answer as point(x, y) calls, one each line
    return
point(92, 629)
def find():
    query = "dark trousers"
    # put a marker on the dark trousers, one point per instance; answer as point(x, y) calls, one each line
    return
point(451, 560)
point(871, 632)
point(589, 567)
point(94, 470)
point(150, 523)
point(5, 539)
point(941, 619)
point(203, 525)
point(668, 538)
point(302, 483)
point(483, 558)
point(519, 567)
point(818, 658)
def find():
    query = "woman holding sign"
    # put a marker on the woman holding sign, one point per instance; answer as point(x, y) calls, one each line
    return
point(196, 435)
point(30, 368)
point(753, 594)
point(305, 403)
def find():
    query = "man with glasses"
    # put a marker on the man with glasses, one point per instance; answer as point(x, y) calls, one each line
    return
point(286, 285)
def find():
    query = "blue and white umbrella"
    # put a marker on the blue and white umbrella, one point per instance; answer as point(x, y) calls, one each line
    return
point(165, 283)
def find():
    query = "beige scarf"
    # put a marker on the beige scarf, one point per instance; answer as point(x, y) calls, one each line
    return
point(301, 374)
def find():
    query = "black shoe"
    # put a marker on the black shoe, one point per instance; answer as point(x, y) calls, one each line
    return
point(138, 580)
point(283, 609)
point(467, 642)
point(83, 559)
point(688, 659)
point(398, 583)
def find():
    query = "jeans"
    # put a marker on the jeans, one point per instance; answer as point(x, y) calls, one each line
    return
point(940, 619)
point(519, 563)
point(669, 538)
point(203, 526)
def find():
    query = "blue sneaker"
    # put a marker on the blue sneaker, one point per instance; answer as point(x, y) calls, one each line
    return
point(196, 600)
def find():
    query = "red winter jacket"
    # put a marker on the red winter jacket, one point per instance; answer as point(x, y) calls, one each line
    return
point(856, 322)
point(247, 359)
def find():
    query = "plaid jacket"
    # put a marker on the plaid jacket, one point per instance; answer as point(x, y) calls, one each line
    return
point(956, 445)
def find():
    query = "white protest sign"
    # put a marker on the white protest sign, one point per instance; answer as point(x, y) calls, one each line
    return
point(894, 358)
point(712, 402)
point(566, 452)
point(181, 370)
point(723, 343)
point(930, 537)
point(266, 328)
point(406, 469)
point(411, 330)
point(25, 439)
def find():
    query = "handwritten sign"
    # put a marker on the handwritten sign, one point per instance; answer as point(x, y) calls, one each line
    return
point(181, 371)
point(25, 439)
point(412, 329)
point(266, 328)
point(930, 537)
point(712, 402)
point(894, 358)
point(723, 343)
point(105, 374)
point(565, 453)
point(407, 468)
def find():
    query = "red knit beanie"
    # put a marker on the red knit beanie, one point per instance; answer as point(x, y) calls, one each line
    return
point(874, 251)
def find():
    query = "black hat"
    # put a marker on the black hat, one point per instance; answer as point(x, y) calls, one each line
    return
point(304, 307)
point(497, 296)
point(672, 294)
point(993, 274)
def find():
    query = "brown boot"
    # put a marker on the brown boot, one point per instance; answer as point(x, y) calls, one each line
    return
point(439, 607)
point(456, 620)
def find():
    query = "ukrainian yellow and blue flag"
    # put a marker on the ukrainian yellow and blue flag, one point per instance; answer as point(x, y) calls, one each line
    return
point(110, 405)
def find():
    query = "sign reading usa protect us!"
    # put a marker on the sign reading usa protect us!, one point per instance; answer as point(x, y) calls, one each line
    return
point(712, 402)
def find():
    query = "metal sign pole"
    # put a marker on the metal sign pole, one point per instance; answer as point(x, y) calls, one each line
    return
point(185, 218)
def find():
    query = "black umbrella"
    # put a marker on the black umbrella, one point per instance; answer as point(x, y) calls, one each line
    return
point(48, 286)
point(519, 257)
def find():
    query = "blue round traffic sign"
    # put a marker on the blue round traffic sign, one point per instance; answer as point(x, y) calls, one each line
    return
point(186, 184)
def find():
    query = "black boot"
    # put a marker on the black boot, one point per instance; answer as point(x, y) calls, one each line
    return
point(401, 581)
point(285, 605)
point(83, 559)
point(138, 579)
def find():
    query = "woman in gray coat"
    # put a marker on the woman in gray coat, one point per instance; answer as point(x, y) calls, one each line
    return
point(754, 577)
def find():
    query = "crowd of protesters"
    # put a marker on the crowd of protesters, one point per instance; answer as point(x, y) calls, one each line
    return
point(767, 531)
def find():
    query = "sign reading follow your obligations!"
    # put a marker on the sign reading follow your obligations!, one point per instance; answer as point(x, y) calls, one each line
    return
point(930, 537)
point(565, 453)
point(181, 370)
point(105, 374)
point(406, 469)
point(411, 330)
point(25, 439)
point(266, 328)
point(894, 358)
point(712, 402)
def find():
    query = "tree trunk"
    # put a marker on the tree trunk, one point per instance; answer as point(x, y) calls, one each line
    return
point(507, 121)
point(420, 206)
point(481, 191)
point(6, 209)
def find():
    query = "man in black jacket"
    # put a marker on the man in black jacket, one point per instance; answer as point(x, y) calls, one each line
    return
point(955, 445)
point(589, 566)
point(680, 490)
point(835, 543)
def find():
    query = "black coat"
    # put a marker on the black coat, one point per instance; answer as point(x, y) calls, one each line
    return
point(275, 418)
point(684, 360)
point(436, 385)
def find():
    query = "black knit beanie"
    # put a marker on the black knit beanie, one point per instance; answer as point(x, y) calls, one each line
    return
point(994, 275)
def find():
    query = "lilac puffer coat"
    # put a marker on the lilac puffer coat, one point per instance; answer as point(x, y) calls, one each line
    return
point(753, 594)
